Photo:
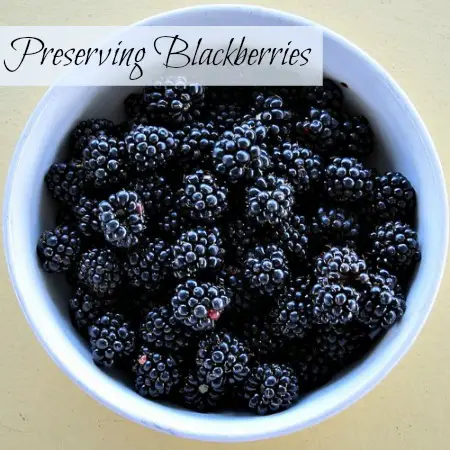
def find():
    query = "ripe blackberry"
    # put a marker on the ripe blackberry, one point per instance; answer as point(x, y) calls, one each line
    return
point(148, 266)
point(327, 96)
point(154, 192)
point(269, 200)
point(393, 197)
point(122, 218)
point(111, 339)
point(156, 374)
point(136, 109)
point(199, 305)
point(251, 129)
point(58, 248)
point(346, 180)
point(84, 309)
point(382, 304)
point(221, 356)
point(313, 368)
point(86, 213)
point(100, 270)
point(292, 237)
point(65, 181)
point(266, 269)
point(270, 388)
point(197, 250)
point(171, 222)
point(202, 198)
point(87, 130)
point(201, 395)
point(395, 245)
point(301, 167)
point(334, 304)
point(149, 147)
point(161, 331)
point(338, 264)
point(232, 277)
point(358, 136)
point(197, 140)
point(241, 235)
point(227, 116)
point(259, 336)
point(104, 161)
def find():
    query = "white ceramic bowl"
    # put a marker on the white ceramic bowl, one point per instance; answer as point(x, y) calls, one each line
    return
point(407, 148)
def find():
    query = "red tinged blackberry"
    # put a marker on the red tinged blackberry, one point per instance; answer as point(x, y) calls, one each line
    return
point(358, 136)
point(156, 374)
point(87, 130)
point(86, 213)
point(347, 180)
point(270, 388)
point(266, 269)
point(327, 96)
point(197, 250)
point(395, 245)
point(100, 271)
point(269, 200)
point(58, 249)
point(154, 192)
point(199, 305)
point(122, 219)
point(111, 339)
point(65, 181)
point(292, 237)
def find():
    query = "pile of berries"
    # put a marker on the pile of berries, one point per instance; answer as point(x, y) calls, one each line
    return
point(229, 247)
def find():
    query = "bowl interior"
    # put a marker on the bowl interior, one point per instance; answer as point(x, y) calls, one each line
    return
point(404, 145)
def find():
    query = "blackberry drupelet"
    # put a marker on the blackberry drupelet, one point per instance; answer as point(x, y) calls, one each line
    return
point(382, 303)
point(156, 374)
point(84, 309)
point(334, 304)
point(393, 197)
point(87, 130)
point(65, 181)
point(149, 147)
point(301, 167)
point(100, 271)
point(111, 339)
point(197, 250)
point(266, 269)
point(269, 200)
point(328, 96)
point(221, 356)
point(104, 161)
point(270, 388)
point(395, 245)
point(58, 248)
point(199, 305)
point(86, 213)
point(358, 136)
point(292, 237)
point(148, 266)
point(154, 192)
point(338, 264)
point(122, 218)
point(202, 197)
point(346, 180)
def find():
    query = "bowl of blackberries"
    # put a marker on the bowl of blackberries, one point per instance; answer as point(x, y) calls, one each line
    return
point(251, 258)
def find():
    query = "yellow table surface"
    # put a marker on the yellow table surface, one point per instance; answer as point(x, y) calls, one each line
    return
point(41, 409)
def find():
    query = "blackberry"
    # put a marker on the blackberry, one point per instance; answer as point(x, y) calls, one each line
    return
point(197, 250)
point(111, 339)
point(154, 192)
point(395, 245)
point(197, 142)
point(292, 237)
point(122, 218)
point(266, 269)
point(221, 356)
point(251, 129)
point(334, 304)
point(65, 181)
point(327, 96)
point(199, 305)
point(202, 198)
point(301, 167)
point(161, 331)
point(241, 235)
point(358, 136)
point(148, 266)
point(339, 264)
point(156, 374)
point(149, 147)
point(226, 116)
point(99, 270)
point(84, 309)
point(313, 368)
point(260, 337)
point(270, 388)
point(346, 180)
point(104, 161)
point(200, 395)
point(269, 200)
point(86, 213)
point(232, 277)
point(58, 248)
point(171, 221)
point(382, 304)
point(393, 197)
point(136, 109)
point(87, 130)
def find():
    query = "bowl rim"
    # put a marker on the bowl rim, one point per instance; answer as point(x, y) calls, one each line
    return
point(257, 430)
